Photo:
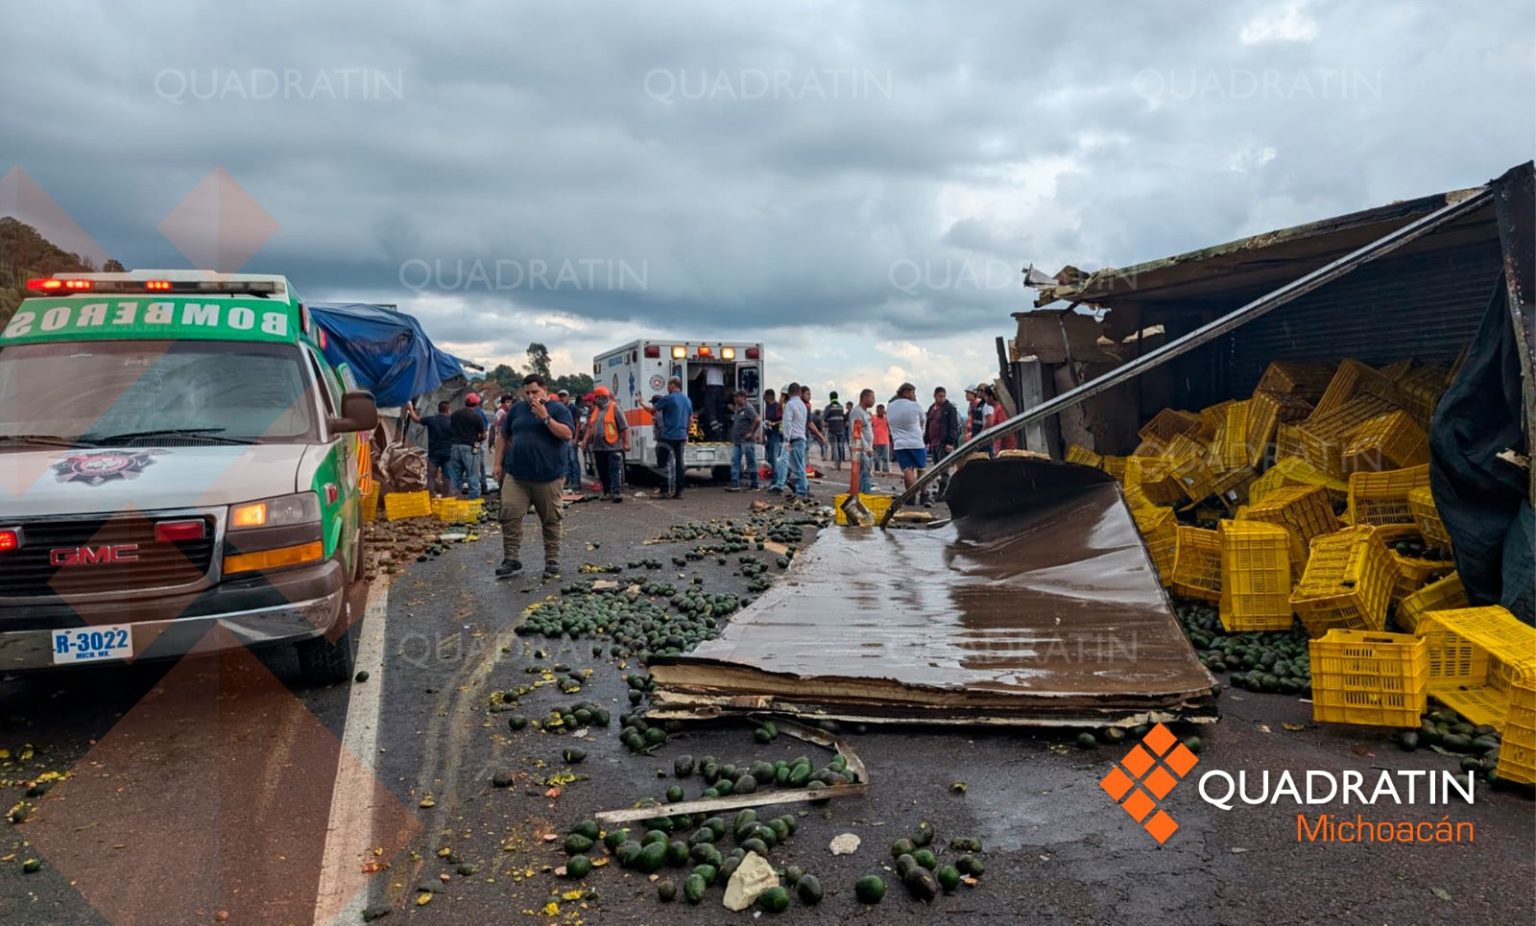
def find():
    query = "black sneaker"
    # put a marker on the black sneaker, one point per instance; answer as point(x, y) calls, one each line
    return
point(551, 568)
point(508, 568)
point(617, 499)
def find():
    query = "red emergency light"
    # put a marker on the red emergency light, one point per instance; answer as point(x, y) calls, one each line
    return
point(753, 353)
point(703, 350)
point(53, 286)
point(158, 286)
point(10, 539)
point(180, 531)
point(652, 351)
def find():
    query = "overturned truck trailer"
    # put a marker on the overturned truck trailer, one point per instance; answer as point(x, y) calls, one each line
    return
point(1036, 604)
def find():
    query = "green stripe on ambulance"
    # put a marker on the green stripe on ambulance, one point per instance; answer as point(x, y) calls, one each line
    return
point(223, 319)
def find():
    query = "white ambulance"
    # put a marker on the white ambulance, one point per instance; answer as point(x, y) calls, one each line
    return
point(711, 371)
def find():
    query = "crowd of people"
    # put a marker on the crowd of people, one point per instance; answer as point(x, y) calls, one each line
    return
point(532, 445)
point(876, 435)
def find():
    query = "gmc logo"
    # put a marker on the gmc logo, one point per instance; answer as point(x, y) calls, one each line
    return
point(94, 556)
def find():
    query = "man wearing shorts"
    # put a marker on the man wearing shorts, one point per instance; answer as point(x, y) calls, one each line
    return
point(906, 419)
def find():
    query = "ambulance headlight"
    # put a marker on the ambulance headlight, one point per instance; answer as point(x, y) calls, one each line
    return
point(282, 511)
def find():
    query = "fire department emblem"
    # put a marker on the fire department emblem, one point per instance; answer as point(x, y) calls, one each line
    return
point(94, 469)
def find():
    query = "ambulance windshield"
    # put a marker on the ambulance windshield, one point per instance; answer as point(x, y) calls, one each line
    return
point(148, 393)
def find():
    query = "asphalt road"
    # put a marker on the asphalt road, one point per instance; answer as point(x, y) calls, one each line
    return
point(207, 791)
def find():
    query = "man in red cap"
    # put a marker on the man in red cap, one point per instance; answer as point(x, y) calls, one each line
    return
point(466, 429)
point(607, 439)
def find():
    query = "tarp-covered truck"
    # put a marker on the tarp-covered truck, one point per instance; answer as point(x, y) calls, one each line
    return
point(711, 372)
point(181, 467)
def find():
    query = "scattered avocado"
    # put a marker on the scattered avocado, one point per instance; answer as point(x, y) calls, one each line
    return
point(773, 900)
point(869, 889)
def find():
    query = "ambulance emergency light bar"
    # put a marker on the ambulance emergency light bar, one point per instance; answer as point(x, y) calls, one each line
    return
point(680, 352)
point(201, 287)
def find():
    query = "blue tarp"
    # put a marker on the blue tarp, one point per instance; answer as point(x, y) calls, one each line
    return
point(388, 351)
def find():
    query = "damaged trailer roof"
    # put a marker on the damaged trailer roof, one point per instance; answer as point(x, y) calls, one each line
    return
point(1042, 611)
point(1258, 263)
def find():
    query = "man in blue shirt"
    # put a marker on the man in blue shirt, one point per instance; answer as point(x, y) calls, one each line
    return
point(675, 412)
point(530, 451)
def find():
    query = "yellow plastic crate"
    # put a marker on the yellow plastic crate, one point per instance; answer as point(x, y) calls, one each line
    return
point(1197, 564)
point(1303, 510)
point(1230, 446)
point(1159, 529)
point(1374, 679)
point(1294, 471)
point(1390, 441)
point(1266, 412)
point(1476, 657)
point(1188, 461)
point(1115, 466)
point(1420, 392)
point(1307, 380)
point(401, 505)
point(1517, 754)
point(1255, 576)
point(1413, 572)
point(1168, 422)
point(371, 504)
point(1212, 417)
point(1347, 583)
point(877, 505)
point(1444, 595)
point(1421, 504)
point(458, 510)
point(1150, 447)
point(1382, 498)
point(1351, 380)
point(1155, 478)
point(1287, 442)
point(1324, 436)
point(1084, 457)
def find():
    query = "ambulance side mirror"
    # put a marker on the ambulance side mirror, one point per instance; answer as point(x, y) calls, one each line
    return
point(358, 413)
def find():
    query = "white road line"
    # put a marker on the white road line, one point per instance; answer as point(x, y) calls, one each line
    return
point(343, 889)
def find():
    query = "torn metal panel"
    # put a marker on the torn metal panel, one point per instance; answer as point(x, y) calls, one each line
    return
point(1257, 308)
point(1035, 605)
point(1257, 262)
point(764, 798)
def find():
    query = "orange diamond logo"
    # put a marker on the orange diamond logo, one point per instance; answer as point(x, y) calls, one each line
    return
point(1148, 773)
point(219, 225)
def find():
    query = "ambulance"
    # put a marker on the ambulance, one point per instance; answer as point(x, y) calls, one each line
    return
point(711, 371)
point(180, 470)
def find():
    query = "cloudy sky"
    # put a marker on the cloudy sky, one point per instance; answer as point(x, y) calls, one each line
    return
point(856, 184)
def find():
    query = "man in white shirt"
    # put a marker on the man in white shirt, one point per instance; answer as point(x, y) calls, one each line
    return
point(796, 417)
point(906, 418)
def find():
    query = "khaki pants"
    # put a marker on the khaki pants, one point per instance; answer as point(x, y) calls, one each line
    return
point(516, 496)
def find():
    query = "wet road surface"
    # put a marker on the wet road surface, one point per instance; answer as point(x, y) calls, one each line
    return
point(206, 792)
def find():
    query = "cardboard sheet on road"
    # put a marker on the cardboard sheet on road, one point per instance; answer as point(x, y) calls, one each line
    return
point(1036, 604)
